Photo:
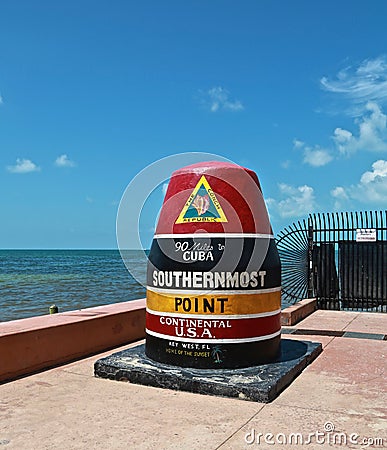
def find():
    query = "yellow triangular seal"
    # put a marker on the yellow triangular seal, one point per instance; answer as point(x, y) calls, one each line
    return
point(202, 205)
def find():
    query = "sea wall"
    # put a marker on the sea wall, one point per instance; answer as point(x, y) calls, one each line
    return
point(295, 313)
point(36, 343)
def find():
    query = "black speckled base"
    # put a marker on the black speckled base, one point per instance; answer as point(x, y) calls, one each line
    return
point(259, 383)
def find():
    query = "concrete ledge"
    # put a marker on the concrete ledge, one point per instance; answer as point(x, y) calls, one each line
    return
point(295, 313)
point(36, 343)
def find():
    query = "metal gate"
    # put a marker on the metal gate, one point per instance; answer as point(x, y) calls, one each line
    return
point(339, 258)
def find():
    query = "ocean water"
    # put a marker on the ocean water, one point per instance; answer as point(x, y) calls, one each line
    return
point(32, 280)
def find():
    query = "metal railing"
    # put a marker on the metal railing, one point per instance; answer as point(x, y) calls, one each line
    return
point(339, 258)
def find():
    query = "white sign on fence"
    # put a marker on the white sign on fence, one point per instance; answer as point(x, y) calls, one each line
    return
point(365, 235)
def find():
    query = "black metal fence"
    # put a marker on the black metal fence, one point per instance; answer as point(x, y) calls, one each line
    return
point(339, 258)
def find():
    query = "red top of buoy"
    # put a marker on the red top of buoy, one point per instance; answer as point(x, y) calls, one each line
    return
point(213, 197)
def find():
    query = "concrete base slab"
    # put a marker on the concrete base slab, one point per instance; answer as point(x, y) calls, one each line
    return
point(260, 383)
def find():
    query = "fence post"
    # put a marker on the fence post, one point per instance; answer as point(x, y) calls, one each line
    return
point(310, 258)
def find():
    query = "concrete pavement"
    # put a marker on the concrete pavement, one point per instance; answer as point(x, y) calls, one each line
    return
point(339, 399)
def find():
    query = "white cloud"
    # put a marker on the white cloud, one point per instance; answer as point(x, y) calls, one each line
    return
point(314, 156)
point(340, 196)
point(218, 99)
point(295, 201)
point(372, 187)
point(365, 87)
point(362, 83)
point(339, 192)
point(89, 199)
point(1, 100)
point(317, 156)
point(64, 161)
point(23, 166)
point(297, 143)
point(372, 134)
point(373, 184)
point(379, 171)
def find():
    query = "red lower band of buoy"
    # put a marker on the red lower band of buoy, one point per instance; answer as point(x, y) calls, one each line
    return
point(210, 329)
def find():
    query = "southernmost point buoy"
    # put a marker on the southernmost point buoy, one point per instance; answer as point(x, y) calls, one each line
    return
point(214, 274)
point(213, 294)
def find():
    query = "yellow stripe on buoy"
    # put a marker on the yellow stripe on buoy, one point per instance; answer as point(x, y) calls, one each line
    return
point(214, 303)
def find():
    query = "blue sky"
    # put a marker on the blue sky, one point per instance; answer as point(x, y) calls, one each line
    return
point(94, 91)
